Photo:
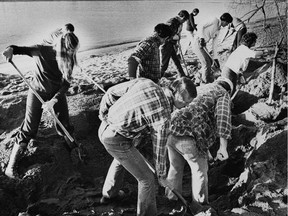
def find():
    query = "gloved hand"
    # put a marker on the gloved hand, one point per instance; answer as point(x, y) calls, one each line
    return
point(8, 54)
point(202, 42)
point(48, 105)
point(163, 181)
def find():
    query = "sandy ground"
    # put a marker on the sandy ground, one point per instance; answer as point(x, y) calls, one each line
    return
point(79, 186)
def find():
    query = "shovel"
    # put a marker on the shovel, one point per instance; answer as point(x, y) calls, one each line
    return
point(190, 208)
point(68, 137)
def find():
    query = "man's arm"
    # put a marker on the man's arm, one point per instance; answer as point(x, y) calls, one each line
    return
point(224, 126)
point(132, 67)
point(159, 136)
point(192, 21)
point(52, 38)
point(202, 28)
point(110, 97)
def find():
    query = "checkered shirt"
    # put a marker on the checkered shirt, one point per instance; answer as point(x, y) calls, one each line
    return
point(148, 55)
point(207, 117)
point(138, 107)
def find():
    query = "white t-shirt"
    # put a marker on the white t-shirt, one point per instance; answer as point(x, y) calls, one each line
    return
point(239, 59)
point(209, 29)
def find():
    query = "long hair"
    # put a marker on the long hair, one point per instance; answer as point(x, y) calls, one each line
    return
point(66, 50)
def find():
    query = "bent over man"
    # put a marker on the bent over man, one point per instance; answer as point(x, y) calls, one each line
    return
point(131, 110)
point(147, 55)
point(193, 130)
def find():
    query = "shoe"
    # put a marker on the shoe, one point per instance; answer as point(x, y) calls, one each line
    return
point(119, 197)
point(176, 207)
point(15, 156)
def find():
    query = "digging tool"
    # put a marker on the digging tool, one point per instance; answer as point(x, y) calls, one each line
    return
point(70, 138)
point(182, 56)
point(214, 62)
point(190, 208)
point(255, 73)
point(89, 78)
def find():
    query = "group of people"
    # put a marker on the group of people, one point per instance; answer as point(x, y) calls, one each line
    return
point(181, 119)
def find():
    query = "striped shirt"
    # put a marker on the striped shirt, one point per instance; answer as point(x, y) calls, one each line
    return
point(147, 55)
point(207, 117)
point(139, 107)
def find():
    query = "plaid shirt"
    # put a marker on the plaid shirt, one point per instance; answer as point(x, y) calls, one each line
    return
point(148, 55)
point(138, 107)
point(206, 117)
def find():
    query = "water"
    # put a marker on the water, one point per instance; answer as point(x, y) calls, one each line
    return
point(97, 23)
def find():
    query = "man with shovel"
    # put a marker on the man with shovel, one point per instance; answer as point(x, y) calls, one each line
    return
point(206, 32)
point(47, 90)
point(239, 59)
point(169, 48)
point(129, 111)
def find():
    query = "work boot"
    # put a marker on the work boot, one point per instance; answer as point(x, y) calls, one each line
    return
point(16, 154)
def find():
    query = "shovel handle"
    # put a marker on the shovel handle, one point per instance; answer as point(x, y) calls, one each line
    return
point(42, 101)
point(168, 186)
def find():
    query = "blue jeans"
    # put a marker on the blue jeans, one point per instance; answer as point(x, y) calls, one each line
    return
point(29, 126)
point(126, 156)
point(205, 60)
point(180, 150)
point(167, 52)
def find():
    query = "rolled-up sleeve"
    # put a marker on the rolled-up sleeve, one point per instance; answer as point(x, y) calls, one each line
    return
point(159, 138)
point(223, 117)
point(110, 97)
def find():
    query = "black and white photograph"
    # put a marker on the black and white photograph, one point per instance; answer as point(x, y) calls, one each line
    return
point(143, 108)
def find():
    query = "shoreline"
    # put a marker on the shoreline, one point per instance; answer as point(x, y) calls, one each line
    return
point(27, 64)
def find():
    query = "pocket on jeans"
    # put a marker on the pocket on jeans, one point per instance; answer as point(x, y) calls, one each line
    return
point(121, 146)
point(188, 147)
point(120, 151)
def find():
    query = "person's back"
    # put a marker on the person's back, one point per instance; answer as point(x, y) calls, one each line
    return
point(174, 24)
point(191, 26)
point(238, 61)
point(200, 116)
point(143, 105)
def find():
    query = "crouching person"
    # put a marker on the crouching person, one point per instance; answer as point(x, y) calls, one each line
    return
point(193, 130)
point(128, 111)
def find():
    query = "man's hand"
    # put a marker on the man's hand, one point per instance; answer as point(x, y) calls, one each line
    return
point(242, 80)
point(8, 54)
point(202, 42)
point(222, 154)
point(216, 63)
point(48, 106)
point(163, 182)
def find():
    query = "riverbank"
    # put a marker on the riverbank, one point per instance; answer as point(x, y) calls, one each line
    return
point(26, 64)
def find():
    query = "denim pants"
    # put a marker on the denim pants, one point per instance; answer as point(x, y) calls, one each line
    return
point(126, 156)
point(238, 37)
point(180, 150)
point(29, 126)
point(167, 52)
point(205, 60)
